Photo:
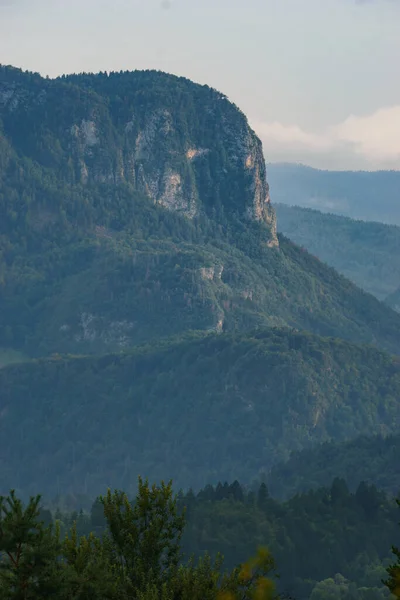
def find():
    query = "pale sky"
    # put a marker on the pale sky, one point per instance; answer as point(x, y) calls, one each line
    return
point(318, 79)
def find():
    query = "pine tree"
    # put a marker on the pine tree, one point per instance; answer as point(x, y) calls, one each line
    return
point(138, 557)
point(393, 582)
point(29, 566)
point(144, 537)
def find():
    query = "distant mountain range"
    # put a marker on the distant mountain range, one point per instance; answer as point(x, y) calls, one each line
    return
point(368, 253)
point(371, 196)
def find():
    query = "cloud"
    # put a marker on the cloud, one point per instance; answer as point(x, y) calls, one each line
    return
point(371, 141)
point(376, 137)
point(292, 136)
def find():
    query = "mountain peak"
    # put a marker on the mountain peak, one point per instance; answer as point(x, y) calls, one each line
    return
point(182, 144)
point(135, 206)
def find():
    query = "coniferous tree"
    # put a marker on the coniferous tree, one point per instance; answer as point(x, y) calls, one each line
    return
point(29, 566)
point(393, 581)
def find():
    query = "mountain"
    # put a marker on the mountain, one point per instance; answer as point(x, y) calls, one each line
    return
point(135, 206)
point(373, 459)
point(184, 146)
point(369, 196)
point(206, 408)
point(367, 253)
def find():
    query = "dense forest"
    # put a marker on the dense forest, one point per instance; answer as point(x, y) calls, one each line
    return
point(374, 459)
point(327, 544)
point(153, 321)
point(137, 556)
point(367, 253)
point(98, 249)
point(202, 409)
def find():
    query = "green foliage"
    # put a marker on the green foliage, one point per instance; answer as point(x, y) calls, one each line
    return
point(393, 581)
point(313, 536)
point(163, 409)
point(366, 253)
point(145, 538)
point(367, 458)
point(90, 264)
point(137, 552)
point(28, 552)
point(138, 556)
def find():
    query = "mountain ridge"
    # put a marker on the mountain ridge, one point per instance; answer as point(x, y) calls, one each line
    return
point(202, 409)
point(94, 260)
point(118, 137)
point(365, 252)
point(373, 459)
point(365, 195)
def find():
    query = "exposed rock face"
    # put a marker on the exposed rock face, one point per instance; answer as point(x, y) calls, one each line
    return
point(92, 263)
point(190, 150)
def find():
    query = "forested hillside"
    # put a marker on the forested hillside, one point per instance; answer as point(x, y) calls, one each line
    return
point(136, 205)
point(153, 322)
point(374, 459)
point(366, 253)
point(196, 410)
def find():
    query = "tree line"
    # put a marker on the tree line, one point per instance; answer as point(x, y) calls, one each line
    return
point(186, 545)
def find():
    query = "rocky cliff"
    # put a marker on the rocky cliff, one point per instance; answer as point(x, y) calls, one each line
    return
point(135, 206)
point(183, 145)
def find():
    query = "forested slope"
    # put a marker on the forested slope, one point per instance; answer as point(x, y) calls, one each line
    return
point(136, 205)
point(197, 410)
point(367, 253)
point(374, 459)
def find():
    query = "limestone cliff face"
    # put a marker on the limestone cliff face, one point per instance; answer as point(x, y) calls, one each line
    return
point(184, 145)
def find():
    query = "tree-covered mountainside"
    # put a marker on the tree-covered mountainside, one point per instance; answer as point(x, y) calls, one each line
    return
point(370, 196)
point(367, 253)
point(134, 206)
point(149, 325)
point(198, 410)
point(374, 459)
point(184, 145)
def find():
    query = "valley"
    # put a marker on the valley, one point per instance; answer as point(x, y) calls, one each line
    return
point(365, 252)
